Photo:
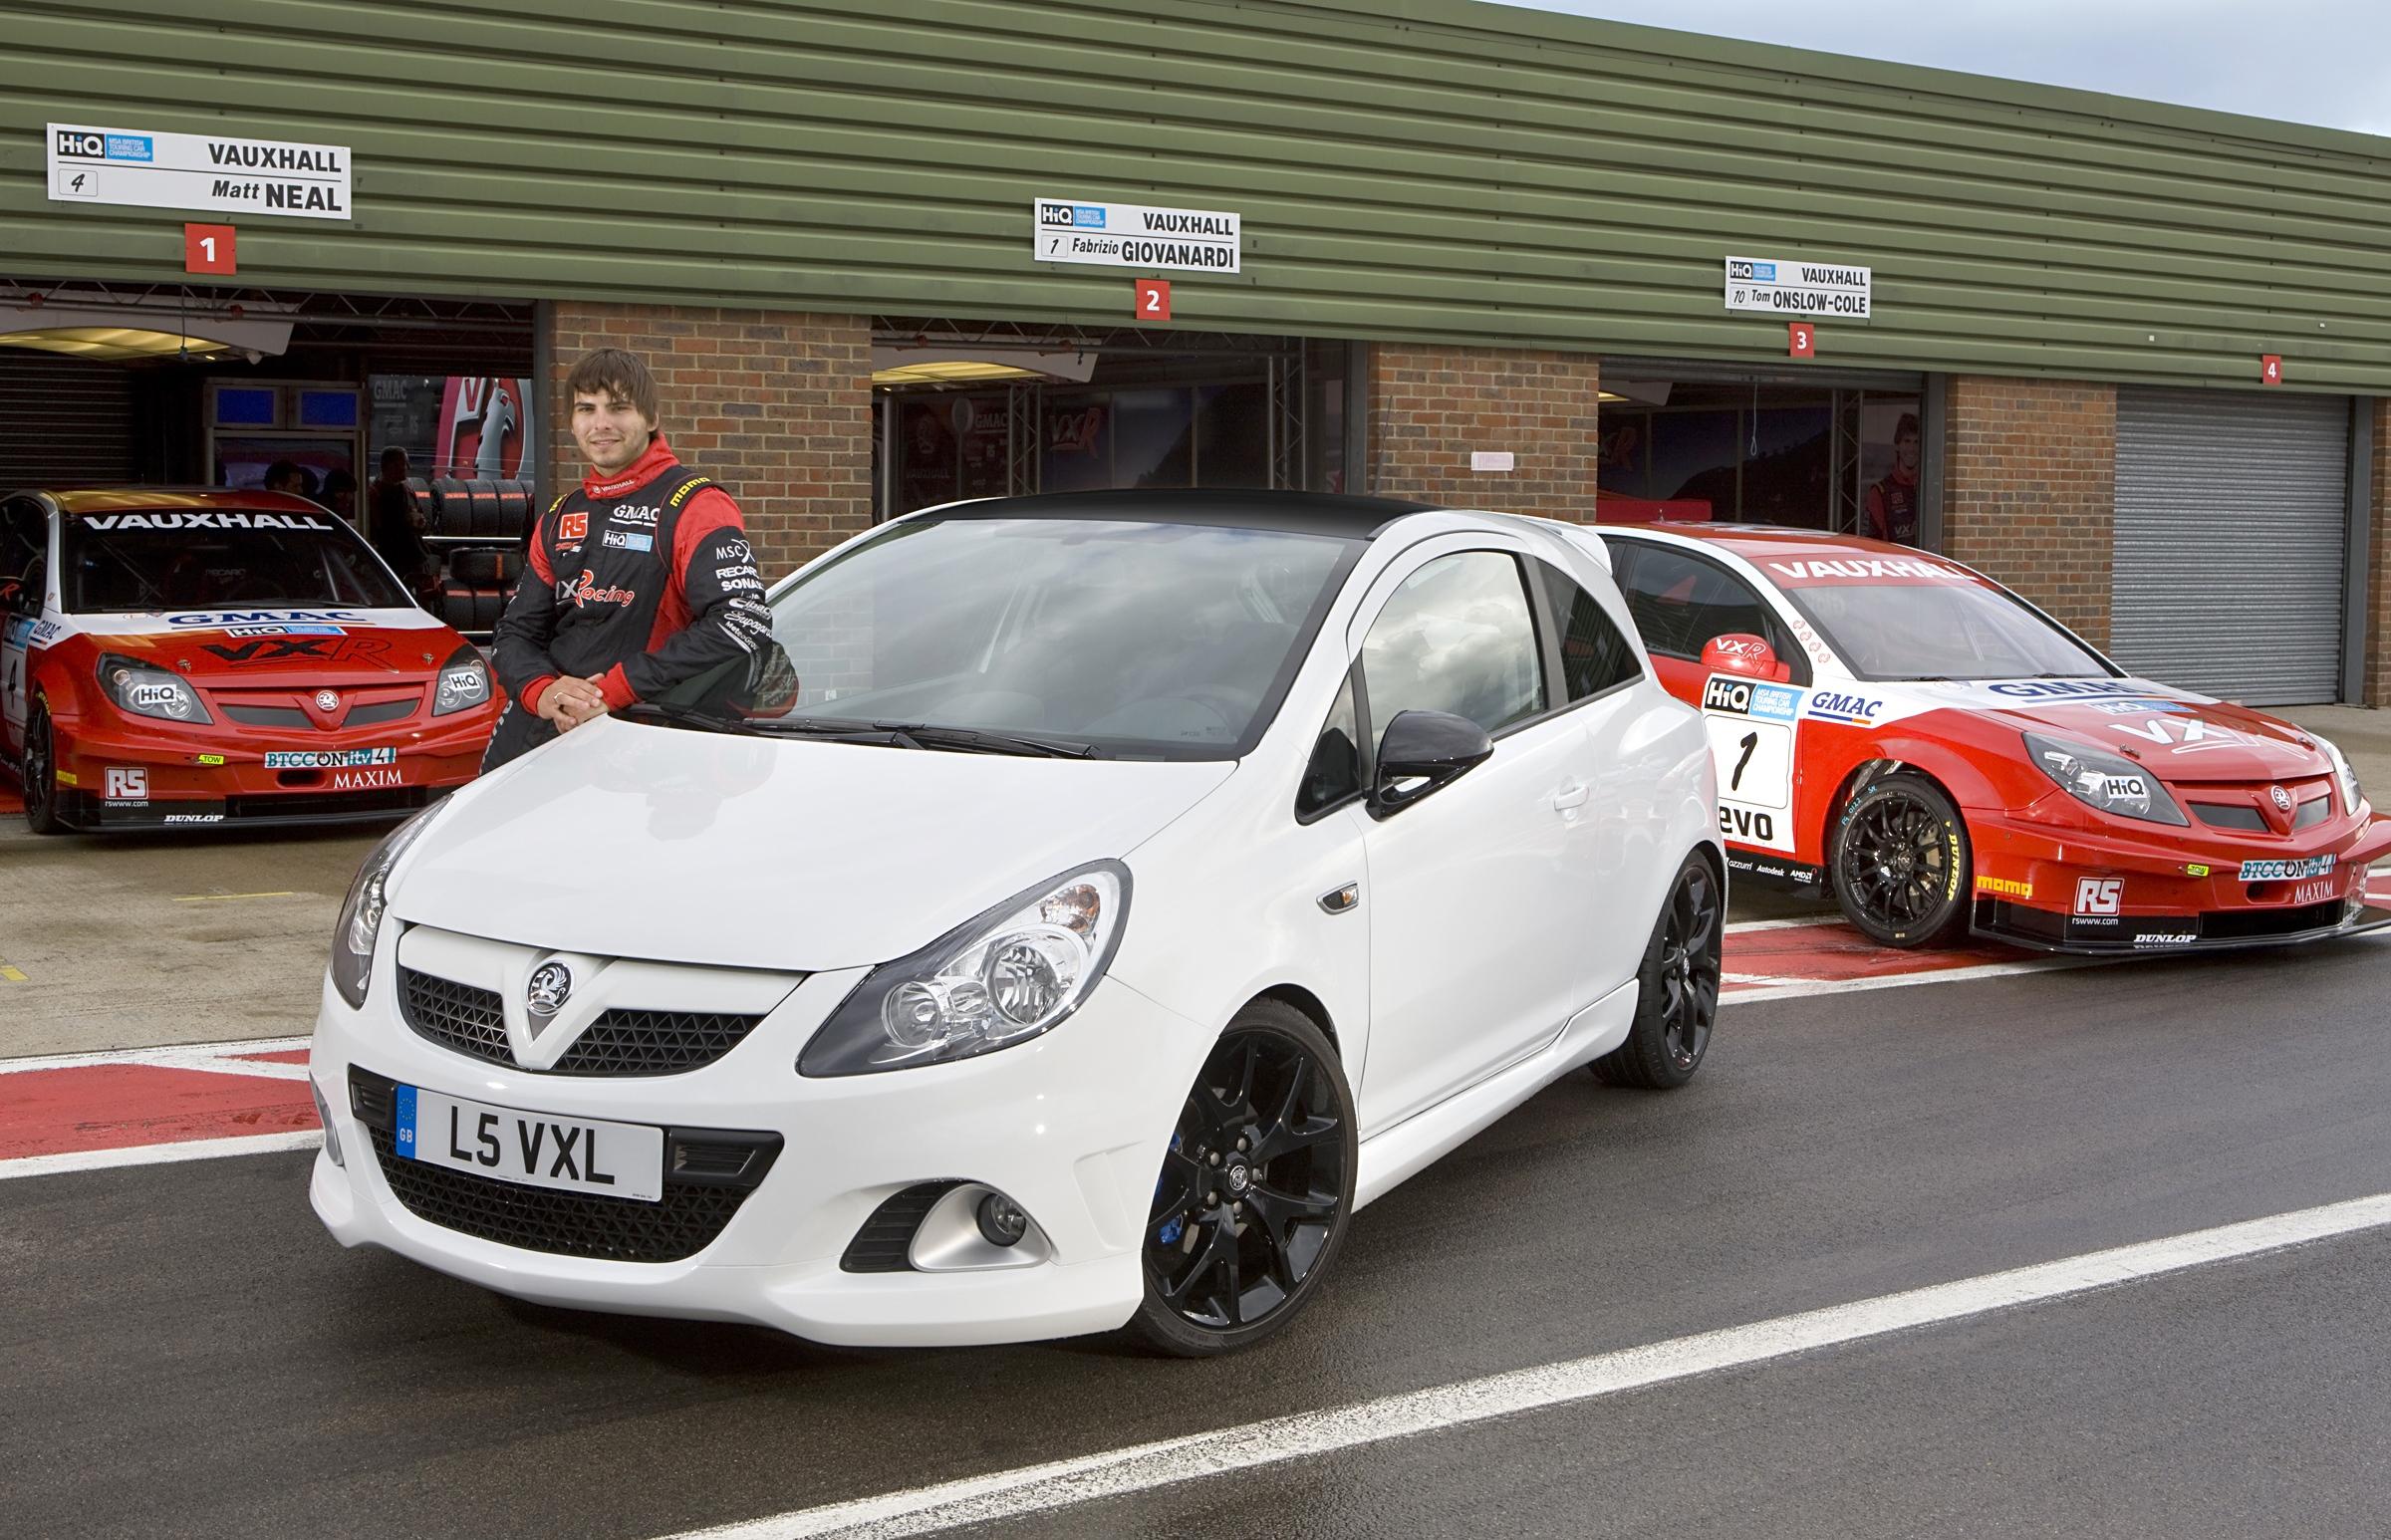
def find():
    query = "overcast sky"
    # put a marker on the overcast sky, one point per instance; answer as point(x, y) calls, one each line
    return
point(2310, 60)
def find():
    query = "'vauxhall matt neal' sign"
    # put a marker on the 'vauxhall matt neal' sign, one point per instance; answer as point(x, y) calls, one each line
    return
point(219, 174)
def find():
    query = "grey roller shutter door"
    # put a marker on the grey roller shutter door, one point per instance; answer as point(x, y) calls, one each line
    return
point(69, 421)
point(2231, 536)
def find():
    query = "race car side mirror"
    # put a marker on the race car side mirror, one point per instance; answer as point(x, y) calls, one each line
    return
point(1744, 654)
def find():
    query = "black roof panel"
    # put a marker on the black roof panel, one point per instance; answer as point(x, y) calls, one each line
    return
point(1301, 513)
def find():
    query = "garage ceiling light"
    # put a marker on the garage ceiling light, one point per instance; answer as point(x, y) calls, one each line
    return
point(950, 365)
point(111, 343)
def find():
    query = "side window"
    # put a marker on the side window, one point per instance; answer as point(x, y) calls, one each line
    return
point(1595, 655)
point(24, 541)
point(1456, 636)
point(1681, 602)
point(1335, 771)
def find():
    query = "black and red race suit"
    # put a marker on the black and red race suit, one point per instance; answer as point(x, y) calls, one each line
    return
point(639, 580)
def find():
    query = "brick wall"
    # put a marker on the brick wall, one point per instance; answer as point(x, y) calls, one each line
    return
point(1430, 406)
point(2029, 491)
point(775, 405)
point(2378, 567)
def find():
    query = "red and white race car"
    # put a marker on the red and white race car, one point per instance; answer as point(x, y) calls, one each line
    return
point(182, 659)
point(1943, 757)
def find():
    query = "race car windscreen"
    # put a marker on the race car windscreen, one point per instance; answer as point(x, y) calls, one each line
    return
point(1134, 640)
point(143, 559)
point(1940, 631)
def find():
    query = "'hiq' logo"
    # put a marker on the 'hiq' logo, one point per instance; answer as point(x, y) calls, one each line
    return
point(83, 146)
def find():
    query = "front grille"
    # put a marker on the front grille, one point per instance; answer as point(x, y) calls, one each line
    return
point(454, 1015)
point(609, 1229)
point(2313, 811)
point(471, 1021)
point(2226, 815)
point(377, 711)
point(885, 1244)
point(267, 717)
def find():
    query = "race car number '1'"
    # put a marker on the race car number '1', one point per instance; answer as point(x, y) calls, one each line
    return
point(1751, 724)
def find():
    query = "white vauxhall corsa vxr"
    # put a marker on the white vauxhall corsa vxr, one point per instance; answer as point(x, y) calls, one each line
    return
point(1086, 906)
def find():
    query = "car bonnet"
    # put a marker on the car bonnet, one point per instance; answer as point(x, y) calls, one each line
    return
point(631, 840)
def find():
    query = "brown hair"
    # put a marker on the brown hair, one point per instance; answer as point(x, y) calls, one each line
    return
point(612, 371)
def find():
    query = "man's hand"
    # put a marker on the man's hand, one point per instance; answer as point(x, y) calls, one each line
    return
point(570, 701)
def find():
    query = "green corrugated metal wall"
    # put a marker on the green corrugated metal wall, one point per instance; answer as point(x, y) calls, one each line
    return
point(1419, 170)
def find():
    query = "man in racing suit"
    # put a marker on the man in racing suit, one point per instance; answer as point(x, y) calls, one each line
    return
point(636, 579)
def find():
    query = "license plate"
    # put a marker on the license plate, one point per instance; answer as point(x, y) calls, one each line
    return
point(2285, 871)
point(533, 1150)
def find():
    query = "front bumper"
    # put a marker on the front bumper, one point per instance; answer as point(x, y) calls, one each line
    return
point(2103, 892)
point(119, 776)
point(1071, 1126)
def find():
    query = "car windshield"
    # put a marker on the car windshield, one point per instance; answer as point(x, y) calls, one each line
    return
point(153, 559)
point(1092, 635)
point(1940, 631)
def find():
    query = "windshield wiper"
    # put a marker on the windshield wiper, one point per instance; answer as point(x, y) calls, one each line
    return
point(685, 716)
point(924, 735)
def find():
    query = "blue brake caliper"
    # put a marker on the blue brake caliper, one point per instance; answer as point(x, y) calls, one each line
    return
point(1169, 1235)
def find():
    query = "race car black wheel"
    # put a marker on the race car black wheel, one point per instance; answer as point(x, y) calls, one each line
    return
point(1677, 996)
point(1900, 863)
point(36, 773)
point(1256, 1188)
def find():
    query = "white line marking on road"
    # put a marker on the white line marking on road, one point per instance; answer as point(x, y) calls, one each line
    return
point(1740, 926)
point(158, 1155)
point(1795, 988)
point(181, 1056)
point(1144, 1467)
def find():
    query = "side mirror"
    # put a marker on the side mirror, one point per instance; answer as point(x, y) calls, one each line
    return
point(1432, 748)
point(1744, 654)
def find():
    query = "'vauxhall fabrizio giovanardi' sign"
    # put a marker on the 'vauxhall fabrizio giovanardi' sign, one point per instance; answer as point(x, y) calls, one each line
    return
point(146, 169)
point(1801, 290)
point(1133, 235)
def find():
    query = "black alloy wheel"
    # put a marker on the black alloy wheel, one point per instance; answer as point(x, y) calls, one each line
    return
point(1256, 1188)
point(37, 774)
point(1900, 863)
point(1677, 999)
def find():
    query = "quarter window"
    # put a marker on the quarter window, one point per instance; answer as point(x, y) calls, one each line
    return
point(1595, 655)
point(1456, 636)
point(1335, 771)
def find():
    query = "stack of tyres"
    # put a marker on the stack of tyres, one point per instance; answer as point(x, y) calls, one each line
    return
point(478, 527)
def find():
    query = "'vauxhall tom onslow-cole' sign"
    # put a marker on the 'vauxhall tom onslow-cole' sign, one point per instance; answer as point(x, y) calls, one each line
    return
point(1189, 240)
point(1799, 290)
point(145, 169)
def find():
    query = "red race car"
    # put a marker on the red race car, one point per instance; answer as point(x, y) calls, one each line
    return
point(185, 658)
point(1945, 758)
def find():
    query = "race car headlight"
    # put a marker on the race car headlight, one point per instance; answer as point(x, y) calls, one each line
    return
point(2103, 780)
point(464, 683)
point(1003, 978)
point(353, 936)
point(2345, 776)
point(144, 689)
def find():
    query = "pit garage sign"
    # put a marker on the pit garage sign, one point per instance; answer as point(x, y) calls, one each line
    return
point(1189, 240)
point(143, 169)
point(1798, 290)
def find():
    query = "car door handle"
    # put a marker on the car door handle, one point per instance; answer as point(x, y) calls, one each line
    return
point(1570, 796)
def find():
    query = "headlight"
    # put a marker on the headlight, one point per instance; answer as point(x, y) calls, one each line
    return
point(2103, 780)
point(2352, 798)
point(360, 923)
point(1003, 978)
point(144, 689)
point(464, 683)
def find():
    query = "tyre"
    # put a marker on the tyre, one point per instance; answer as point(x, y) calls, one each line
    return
point(1677, 987)
point(37, 774)
point(1256, 1188)
point(1900, 863)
